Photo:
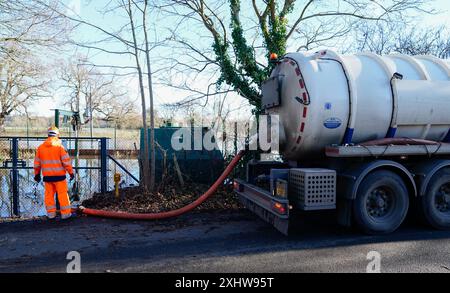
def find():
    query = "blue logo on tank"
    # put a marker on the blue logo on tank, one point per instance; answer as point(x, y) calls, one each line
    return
point(332, 123)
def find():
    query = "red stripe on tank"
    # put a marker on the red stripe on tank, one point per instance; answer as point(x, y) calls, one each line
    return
point(302, 127)
point(302, 84)
point(305, 97)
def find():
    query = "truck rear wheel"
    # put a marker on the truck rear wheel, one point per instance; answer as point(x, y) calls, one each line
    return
point(435, 204)
point(381, 203)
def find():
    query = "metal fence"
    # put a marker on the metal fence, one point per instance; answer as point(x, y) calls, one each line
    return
point(100, 158)
point(123, 157)
point(21, 197)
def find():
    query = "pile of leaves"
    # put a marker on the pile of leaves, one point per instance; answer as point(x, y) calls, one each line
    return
point(169, 195)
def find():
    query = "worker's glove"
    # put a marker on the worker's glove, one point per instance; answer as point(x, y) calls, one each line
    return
point(37, 178)
point(72, 176)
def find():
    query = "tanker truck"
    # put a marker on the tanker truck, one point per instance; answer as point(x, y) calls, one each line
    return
point(365, 135)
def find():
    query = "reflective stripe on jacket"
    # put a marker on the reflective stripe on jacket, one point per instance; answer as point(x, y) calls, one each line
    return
point(52, 160)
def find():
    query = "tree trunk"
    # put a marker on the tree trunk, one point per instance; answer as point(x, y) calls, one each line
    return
point(2, 123)
point(152, 112)
point(145, 158)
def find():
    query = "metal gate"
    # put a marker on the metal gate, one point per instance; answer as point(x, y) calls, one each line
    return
point(20, 196)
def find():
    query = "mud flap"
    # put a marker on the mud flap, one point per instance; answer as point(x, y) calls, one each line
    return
point(281, 224)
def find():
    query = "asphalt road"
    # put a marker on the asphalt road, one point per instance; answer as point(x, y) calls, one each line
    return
point(229, 242)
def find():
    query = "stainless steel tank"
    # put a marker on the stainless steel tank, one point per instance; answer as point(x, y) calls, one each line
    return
point(324, 98)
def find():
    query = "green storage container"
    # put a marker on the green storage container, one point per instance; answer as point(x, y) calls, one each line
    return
point(202, 166)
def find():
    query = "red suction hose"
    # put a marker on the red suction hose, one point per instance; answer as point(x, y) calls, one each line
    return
point(169, 214)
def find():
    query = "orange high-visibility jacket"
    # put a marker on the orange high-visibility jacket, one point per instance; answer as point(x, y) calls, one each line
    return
point(53, 160)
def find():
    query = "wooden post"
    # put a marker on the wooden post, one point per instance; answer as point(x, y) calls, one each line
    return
point(177, 169)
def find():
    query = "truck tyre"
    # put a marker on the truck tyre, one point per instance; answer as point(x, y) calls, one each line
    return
point(381, 203)
point(435, 204)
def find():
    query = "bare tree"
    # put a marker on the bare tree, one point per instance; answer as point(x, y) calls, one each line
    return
point(425, 42)
point(390, 38)
point(27, 29)
point(129, 9)
point(91, 92)
point(131, 40)
point(22, 81)
point(74, 78)
point(116, 109)
point(28, 24)
point(150, 90)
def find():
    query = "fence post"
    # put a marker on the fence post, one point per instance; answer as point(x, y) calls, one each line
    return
point(57, 118)
point(235, 138)
point(15, 176)
point(103, 165)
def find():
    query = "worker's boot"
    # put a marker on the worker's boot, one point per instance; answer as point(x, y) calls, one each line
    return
point(66, 216)
point(51, 216)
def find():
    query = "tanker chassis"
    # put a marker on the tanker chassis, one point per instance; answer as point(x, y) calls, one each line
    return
point(365, 135)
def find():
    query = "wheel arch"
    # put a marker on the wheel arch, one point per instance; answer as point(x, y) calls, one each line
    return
point(358, 172)
point(423, 172)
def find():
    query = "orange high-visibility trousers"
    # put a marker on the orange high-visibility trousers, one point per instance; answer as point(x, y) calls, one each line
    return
point(63, 197)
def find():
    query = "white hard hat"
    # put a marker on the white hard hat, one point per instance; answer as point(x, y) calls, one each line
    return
point(53, 131)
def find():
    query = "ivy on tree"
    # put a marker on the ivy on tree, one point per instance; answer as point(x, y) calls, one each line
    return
point(245, 74)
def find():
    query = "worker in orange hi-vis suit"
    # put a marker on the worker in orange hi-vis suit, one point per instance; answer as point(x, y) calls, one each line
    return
point(54, 162)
